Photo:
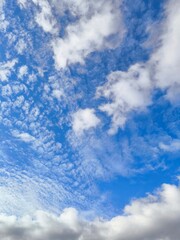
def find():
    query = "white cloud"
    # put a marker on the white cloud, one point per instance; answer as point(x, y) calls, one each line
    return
point(22, 3)
point(57, 93)
point(6, 69)
point(20, 46)
point(1, 5)
point(6, 90)
point(84, 119)
point(167, 57)
point(3, 22)
point(26, 137)
point(132, 90)
point(23, 70)
point(152, 218)
point(173, 146)
point(45, 18)
point(127, 91)
point(18, 103)
point(98, 21)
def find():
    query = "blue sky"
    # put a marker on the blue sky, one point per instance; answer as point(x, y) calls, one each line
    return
point(89, 119)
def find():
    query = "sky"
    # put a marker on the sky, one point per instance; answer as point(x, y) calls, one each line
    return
point(89, 119)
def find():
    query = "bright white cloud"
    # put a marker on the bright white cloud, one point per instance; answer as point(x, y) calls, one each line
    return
point(127, 91)
point(167, 58)
point(153, 218)
point(131, 90)
point(84, 119)
point(99, 26)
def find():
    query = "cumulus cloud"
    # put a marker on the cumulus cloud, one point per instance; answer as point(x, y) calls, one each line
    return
point(98, 26)
point(167, 57)
point(84, 119)
point(131, 90)
point(126, 91)
point(152, 218)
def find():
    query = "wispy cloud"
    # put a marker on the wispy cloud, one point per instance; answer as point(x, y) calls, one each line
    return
point(172, 146)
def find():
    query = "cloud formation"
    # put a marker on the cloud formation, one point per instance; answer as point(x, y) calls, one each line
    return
point(6, 69)
point(45, 18)
point(84, 119)
point(167, 58)
point(152, 218)
point(127, 91)
point(37, 106)
point(172, 146)
point(132, 90)
point(98, 26)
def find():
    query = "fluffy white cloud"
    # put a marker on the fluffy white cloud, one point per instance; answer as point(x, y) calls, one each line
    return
point(127, 91)
point(131, 90)
point(98, 26)
point(152, 218)
point(167, 58)
point(84, 119)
